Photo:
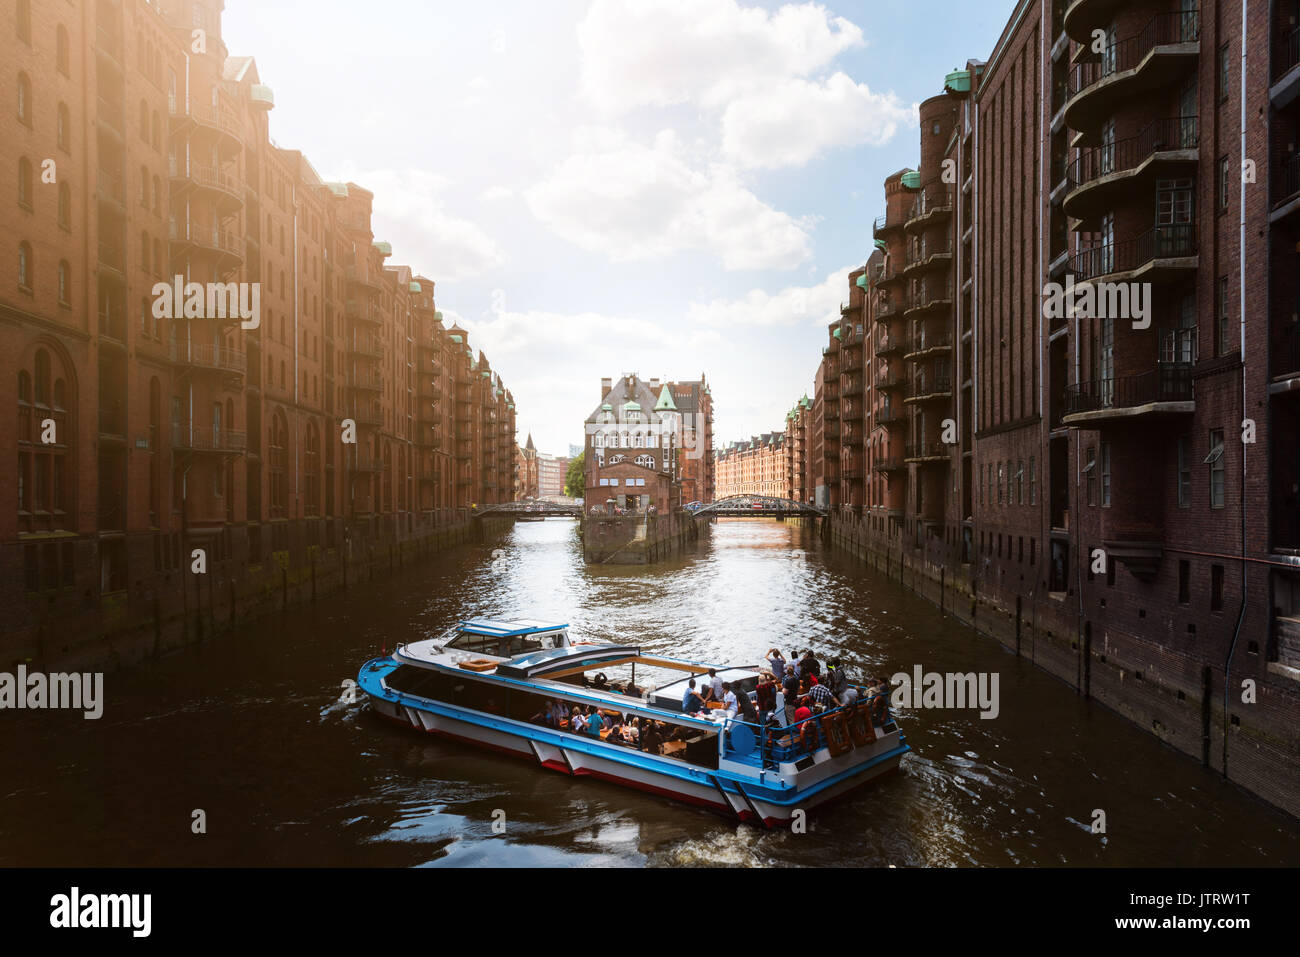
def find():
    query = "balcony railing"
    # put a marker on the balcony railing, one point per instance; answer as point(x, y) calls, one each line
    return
point(1288, 53)
point(1126, 54)
point(208, 440)
point(206, 356)
point(1169, 382)
point(209, 237)
point(931, 202)
point(927, 450)
point(1288, 179)
point(1172, 133)
point(1162, 242)
point(924, 388)
point(927, 341)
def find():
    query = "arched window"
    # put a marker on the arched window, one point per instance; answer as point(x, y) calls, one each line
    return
point(25, 182)
point(312, 463)
point(65, 293)
point(25, 107)
point(144, 121)
point(144, 186)
point(156, 127)
point(64, 131)
point(25, 265)
point(157, 196)
point(25, 21)
point(62, 57)
point(144, 250)
point(65, 205)
point(157, 258)
point(646, 461)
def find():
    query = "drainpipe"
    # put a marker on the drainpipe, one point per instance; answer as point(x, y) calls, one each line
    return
point(297, 398)
point(1241, 308)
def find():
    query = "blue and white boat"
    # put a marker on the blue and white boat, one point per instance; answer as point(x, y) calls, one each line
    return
point(502, 685)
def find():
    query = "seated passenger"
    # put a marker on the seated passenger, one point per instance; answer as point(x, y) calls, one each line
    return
point(652, 738)
point(601, 683)
point(745, 708)
point(729, 702)
point(692, 703)
point(577, 722)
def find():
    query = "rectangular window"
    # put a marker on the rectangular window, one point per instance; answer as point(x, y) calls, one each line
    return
point(1105, 474)
point(1215, 461)
point(1184, 582)
point(1225, 182)
point(1216, 588)
point(1223, 325)
point(1225, 72)
point(1033, 490)
point(1090, 474)
point(1184, 472)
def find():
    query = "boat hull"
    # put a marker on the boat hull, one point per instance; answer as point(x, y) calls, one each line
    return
point(579, 756)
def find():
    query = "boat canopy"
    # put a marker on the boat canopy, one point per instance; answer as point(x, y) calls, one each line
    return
point(506, 629)
point(572, 659)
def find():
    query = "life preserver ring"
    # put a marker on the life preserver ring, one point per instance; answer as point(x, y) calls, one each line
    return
point(837, 735)
point(808, 735)
point(860, 725)
point(478, 664)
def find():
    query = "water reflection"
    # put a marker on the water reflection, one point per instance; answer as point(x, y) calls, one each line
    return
point(249, 728)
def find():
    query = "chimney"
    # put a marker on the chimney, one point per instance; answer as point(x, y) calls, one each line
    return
point(605, 386)
point(654, 386)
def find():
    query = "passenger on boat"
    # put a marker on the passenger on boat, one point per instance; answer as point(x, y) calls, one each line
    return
point(652, 739)
point(729, 702)
point(595, 723)
point(821, 698)
point(713, 687)
point(808, 665)
point(632, 691)
point(765, 693)
point(577, 722)
point(777, 661)
point(745, 708)
point(601, 683)
point(692, 703)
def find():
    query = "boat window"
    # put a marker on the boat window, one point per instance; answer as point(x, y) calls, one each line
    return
point(419, 681)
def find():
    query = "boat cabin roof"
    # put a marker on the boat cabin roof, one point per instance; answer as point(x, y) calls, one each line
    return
point(506, 629)
point(571, 659)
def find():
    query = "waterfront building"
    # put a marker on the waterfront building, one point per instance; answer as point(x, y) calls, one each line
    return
point(633, 438)
point(756, 467)
point(140, 437)
point(527, 482)
point(693, 402)
point(1114, 480)
point(552, 470)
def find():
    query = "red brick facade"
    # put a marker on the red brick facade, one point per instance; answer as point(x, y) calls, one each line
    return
point(173, 433)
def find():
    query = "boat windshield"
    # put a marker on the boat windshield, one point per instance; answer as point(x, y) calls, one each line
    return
point(505, 646)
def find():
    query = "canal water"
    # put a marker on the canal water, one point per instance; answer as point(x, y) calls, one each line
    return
point(248, 728)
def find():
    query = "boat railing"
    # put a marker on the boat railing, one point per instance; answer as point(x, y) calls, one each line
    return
point(779, 744)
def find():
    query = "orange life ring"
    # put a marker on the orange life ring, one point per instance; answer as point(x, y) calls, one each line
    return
point(861, 728)
point(478, 664)
point(808, 735)
point(837, 735)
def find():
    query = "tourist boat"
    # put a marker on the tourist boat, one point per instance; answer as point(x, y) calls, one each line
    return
point(489, 683)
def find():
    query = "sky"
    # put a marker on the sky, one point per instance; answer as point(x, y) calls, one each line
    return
point(599, 187)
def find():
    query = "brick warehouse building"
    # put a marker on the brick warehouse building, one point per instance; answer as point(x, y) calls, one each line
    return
point(1001, 449)
point(176, 434)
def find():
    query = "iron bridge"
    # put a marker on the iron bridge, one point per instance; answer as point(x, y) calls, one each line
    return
point(759, 506)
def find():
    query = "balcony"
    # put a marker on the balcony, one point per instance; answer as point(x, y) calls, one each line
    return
point(1100, 174)
point(889, 416)
point(1165, 390)
point(209, 358)
point(110, 188)
point(225, 190)
point(940, 389)
point(929, 297)
point(927, 259)
point(1286, 362)
point(932, 207)
point(428, 387)
point(928, 453)
point(364, 460)
point(891, 346)
point(889, 465)
point(853, 438)
point(366, 380)
point(211, 441)
point(832, 413)
point(928, 344)
point(888, 276)
point(884, 226)
point(1162, 253)
point(222, 244)
point(217, 124)
point(367, 346)
point(364, 277)
point(1286, 187)
point(1159, 54)
point(357, 311)
point(1286, 78)
point(853, 385)
point(891, 382)
point(368, 416)
point(112, 260)
point(890, 308)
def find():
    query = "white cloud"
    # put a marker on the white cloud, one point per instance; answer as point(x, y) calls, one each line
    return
point(409, 213)
point(662, 52)
point(794, 121)
point(792, 306)
point(496, 193)
point(637, 202)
